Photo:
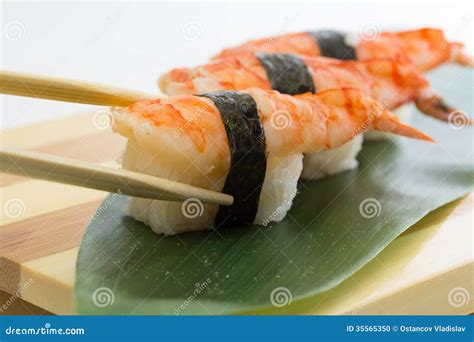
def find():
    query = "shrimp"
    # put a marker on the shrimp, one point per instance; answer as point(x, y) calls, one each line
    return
point(427, 48)
point(234, 73)
point(391, 81)
point(311, 122)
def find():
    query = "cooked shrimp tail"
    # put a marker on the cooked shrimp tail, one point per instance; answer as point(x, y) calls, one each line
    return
point(349, 113)
point(458, 56)
point(435, 106)
point(388, 122)
point(385, 121)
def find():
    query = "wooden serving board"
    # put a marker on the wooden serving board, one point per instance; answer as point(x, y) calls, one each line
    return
point(427, 270)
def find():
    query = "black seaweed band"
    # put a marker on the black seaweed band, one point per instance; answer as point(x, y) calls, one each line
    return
point(287, 73)
point(248, 159)
point(332, 44)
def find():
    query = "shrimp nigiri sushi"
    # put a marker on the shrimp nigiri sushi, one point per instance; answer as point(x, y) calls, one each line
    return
point(391, 81)
point(232, 142)
point(427, 48)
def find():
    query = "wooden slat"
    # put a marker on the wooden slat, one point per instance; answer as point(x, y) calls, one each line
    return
point(46, 234)
point(41, 236)
point(37, 197)
point(50, 132)
point(18, 306)
point(58, 280)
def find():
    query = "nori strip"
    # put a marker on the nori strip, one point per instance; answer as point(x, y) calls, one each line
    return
point(332, 44)
point(287, 73)
point(248, 158)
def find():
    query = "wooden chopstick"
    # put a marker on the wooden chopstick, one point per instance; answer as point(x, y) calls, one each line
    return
point(59, 89)
point(62, 170)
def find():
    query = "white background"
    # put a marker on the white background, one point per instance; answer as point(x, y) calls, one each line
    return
point(130, 44)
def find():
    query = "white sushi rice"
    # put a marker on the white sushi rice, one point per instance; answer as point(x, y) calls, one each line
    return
point(343, 158)
point(352, 39)
point(326, 163)
point(155, 151)
point(279, 188)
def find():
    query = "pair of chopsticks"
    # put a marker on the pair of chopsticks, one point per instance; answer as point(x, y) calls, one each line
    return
point(62, 170)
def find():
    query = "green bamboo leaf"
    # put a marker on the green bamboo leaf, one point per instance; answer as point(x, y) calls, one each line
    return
point(335, 227)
